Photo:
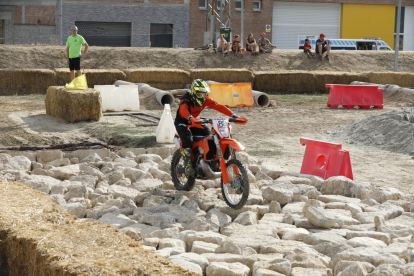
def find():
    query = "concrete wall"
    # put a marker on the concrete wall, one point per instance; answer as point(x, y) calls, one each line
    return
point(141, 15)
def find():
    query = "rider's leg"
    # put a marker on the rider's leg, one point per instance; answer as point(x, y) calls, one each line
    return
point(187, 140)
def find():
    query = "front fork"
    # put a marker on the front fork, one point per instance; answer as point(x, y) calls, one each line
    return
point(224, 174)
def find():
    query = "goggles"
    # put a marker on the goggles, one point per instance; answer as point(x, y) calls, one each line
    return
point(74, 30)
point(201, 95)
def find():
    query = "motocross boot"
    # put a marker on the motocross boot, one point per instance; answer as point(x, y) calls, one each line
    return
point(189, 169)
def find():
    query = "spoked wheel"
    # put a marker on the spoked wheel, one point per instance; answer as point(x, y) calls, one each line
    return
point(180, 180)
point(236, 192)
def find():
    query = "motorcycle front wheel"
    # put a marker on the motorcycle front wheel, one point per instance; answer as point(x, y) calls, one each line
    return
point(180, 179)
point(236, 191)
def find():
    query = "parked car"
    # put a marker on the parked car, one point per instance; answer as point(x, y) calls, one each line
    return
point(367, 44)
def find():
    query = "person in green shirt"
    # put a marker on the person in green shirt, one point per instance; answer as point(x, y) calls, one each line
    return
point(73, 51)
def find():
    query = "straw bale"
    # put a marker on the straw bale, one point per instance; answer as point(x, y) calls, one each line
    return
point(222, 75)
point(93, 76)
point(73, 105)
point(26, 81)
point(40, 238)
point(161, 78)
point(284, 82)
point(396, 78)
point(322, 78)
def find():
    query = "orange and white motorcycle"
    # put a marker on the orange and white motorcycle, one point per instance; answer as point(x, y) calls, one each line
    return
point(214, 157)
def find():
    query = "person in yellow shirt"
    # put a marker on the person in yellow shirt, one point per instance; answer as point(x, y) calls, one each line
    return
point(74, 51)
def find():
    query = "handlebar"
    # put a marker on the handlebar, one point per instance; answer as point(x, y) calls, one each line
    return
point(239, 121)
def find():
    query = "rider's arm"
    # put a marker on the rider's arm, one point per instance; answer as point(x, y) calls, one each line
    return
point(184, 109)
point(217, 106)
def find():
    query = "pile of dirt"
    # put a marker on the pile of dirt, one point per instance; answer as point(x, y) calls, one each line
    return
point(50, 57)
point(392, 131)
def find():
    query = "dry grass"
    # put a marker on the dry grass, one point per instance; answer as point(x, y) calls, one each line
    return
point(159, 77)
point(39, 238)
point(222, 75)
point(322, 78)
point(26, 81)
point(74, 105)
point(93, 76)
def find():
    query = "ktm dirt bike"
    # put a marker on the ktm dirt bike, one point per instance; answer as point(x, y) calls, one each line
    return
point(214, 156)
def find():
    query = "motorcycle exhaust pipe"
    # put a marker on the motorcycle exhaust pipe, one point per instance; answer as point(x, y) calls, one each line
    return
point(208, 171)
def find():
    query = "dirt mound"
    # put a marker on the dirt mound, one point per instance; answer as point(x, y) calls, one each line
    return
point(392, 131)
point(50, 57)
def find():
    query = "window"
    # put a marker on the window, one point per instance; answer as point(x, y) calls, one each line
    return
point(257, 5)
point(218, 5)
point(202, 4)
point(401, 26)
point(238, 5)
point(1, 32)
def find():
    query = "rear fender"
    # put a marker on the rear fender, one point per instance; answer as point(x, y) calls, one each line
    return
point(204, 145)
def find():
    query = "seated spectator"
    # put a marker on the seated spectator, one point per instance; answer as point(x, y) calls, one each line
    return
point(307, 49)
point(223, 46)
point(264, 44)
point(236, 45)
point(251, 45)
point(323, 46)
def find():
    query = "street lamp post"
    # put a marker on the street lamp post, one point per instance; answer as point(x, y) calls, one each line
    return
point(397, 36)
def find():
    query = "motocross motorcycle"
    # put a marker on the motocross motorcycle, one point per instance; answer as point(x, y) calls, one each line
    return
point(214, 156)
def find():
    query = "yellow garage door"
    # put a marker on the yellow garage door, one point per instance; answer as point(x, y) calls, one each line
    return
point(360, 21)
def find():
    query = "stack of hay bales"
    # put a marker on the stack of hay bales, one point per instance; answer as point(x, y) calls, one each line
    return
point(161, 78)
point(93, 76)
point(223, 75)
point(38, 237)
point(74, 105)
point(322, 78)
point(284, 82)
point(26, 81)
point(400, 79)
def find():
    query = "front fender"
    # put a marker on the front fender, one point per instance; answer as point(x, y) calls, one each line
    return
point(224, 142)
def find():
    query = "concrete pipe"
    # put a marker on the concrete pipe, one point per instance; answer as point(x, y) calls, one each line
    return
point(260, 98)
point(162, 97)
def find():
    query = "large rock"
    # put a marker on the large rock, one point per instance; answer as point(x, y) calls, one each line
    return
point(308, 258)
point(201, 247)
point(89, 170)
point(86, 180)
point(366, 242)
point(42, 183)
point(231, 258)
point(19, 163)
point(282, 266)
point(281, 195)
point(75, 191)
point(64, 173)
point(193, 258)
point(47, 156)
point(370, 234)
point(246, 218)
point(319, 217)
point(186, 264)
point(234, 248)
point(228, 269)
point(77, 209)
point(135, 174)
point(217, 217)
point(143, 158)
point(117, 220)
point(340, 185)
point(172, 233)
point(372, 255)
point(382, 194)
point(121, 191)
point(147, 185)
point(162, 220)
point(142, 229)
point(301, 271)
point(342, 265)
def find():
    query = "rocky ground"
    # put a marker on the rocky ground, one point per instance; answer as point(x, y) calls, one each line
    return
point(292, 224)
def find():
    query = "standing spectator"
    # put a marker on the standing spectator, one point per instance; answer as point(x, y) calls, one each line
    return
point(264, 44)
point(74, 51)
point(223, 46)
point(323, 46)
point(236, 45)
point(307, 49)
point(251, 45)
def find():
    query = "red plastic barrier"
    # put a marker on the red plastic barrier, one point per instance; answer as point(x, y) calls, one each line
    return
point(325, 159)
point(349, 96)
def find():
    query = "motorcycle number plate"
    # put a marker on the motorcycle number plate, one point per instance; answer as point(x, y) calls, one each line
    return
point(222, 127)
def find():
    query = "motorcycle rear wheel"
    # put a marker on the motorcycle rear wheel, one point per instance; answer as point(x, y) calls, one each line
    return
point(236, 192)
point(180, 180)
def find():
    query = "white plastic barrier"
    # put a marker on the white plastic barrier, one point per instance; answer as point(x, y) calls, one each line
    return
point(166, 129)
point(122, 98)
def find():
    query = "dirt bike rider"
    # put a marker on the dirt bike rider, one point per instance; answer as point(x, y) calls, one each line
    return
point(191, 105)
